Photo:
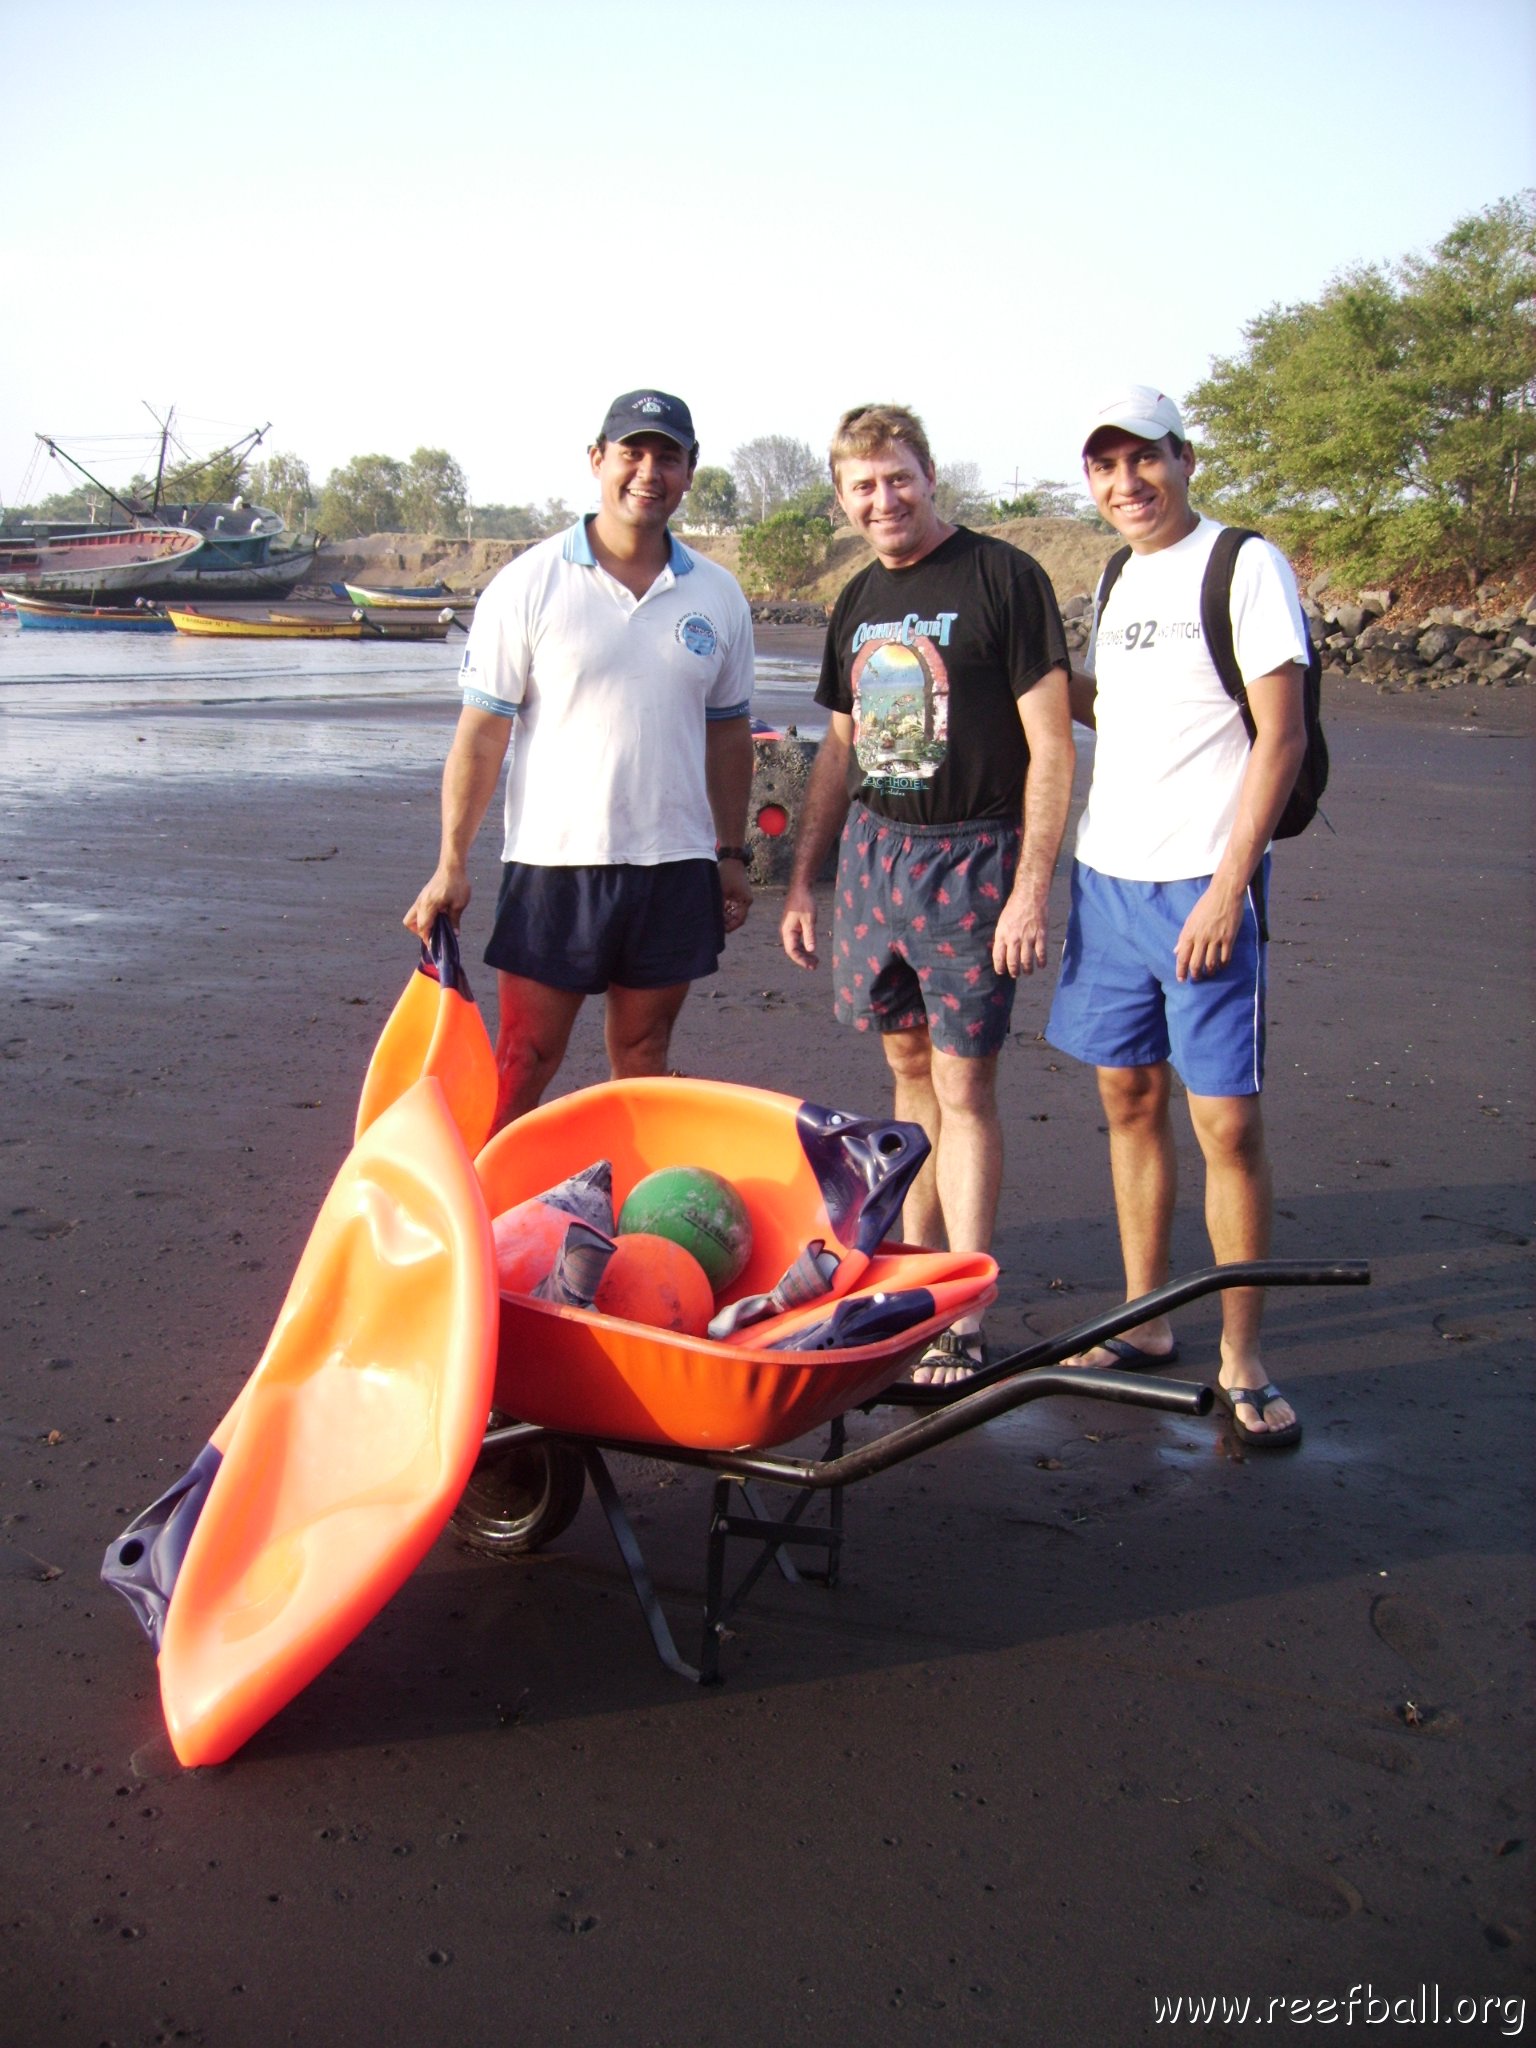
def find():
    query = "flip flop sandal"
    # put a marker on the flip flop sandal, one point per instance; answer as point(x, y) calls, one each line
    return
point(1130, 1357)
point(1258, 1399)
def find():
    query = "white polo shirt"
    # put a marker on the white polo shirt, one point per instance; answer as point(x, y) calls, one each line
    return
point(610, 694)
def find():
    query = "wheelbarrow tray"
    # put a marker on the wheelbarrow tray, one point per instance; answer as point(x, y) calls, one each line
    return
point(804, 1173)
point(586, 1374)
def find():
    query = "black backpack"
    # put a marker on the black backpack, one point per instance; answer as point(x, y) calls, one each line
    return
point(1301, 806)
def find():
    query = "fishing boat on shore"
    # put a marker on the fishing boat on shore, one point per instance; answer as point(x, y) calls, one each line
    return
point(52, 615)
point(80, 568)
point(243, 555)
point(226, 550)
point(404, 598)
point(275, 626)
point(316, 625)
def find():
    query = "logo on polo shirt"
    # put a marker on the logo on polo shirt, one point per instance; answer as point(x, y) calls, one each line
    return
point(697, 634)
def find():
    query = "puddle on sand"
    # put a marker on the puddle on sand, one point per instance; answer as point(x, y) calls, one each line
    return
point(74, 715)
point(1183, 1442)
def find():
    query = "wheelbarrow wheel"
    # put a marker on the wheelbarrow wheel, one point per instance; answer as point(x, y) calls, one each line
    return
point(519, 1496)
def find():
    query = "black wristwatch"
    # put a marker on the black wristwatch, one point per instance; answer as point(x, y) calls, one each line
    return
point(732, 853)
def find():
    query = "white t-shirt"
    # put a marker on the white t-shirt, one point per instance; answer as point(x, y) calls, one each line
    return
point(610, 694)
point(1172, 748)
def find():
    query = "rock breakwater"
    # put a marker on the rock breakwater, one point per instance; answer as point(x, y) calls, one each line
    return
point(1489, 643)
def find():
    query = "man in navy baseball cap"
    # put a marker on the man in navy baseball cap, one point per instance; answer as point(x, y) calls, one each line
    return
point(623, 662)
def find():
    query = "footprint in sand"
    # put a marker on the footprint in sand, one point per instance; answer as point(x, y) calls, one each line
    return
point(1414, 1633)
point(1246, 1863)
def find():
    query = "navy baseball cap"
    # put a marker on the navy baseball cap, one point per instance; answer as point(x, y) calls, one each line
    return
point(650, 412)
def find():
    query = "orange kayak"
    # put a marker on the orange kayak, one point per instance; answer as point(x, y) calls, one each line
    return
point(436, 1029)
point(346, 1451)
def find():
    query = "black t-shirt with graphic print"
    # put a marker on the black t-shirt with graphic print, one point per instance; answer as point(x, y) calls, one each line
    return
point(931, 662)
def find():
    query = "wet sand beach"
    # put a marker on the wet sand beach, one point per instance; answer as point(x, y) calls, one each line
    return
point(1102, 1711)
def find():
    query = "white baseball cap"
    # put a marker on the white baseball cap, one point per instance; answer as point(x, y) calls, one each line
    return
point(1139, 409)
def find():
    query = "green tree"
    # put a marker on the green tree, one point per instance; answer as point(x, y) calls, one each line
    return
point(434, 496)
point(282, 483)
point(1047, 498)
point(781, 552)
point(83, 504)
point(1390, 427)
point(771, 470)
point(363, 497)
point(504, 522)
point(959, 494)
point(711, 505)
point(815, 500)
point(1470, 318)
point(554, 516)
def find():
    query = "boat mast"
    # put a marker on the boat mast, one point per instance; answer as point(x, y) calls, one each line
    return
point(136, 513)
point(133, 512)
point(241, 448)
point(165, 434)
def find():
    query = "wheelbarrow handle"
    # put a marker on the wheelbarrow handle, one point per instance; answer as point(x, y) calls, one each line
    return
point(1162, 1301)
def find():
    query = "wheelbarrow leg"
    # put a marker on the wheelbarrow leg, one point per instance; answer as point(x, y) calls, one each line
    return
point(772, 1534)
point(639, 1575)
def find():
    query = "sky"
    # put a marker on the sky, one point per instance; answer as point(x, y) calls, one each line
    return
point(470, 225)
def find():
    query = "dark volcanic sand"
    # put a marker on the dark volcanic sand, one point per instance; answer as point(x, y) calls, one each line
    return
point(1100, 1710)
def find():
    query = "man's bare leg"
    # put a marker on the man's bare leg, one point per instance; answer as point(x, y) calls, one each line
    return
point(533, 1030)
point(970, 1162)
point(909, 1055)
point(1238, 1208)
point(1143, 1167)
point(637, 1028)
point(958, 1205)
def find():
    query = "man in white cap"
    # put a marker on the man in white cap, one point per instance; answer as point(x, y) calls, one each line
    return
point(622, 662)
point(1163, 966)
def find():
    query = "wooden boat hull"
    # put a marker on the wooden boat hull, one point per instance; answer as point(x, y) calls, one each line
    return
point(407, 600)
point(56, 616)
point(79, 568)
point(209, 579)
point(214, 626)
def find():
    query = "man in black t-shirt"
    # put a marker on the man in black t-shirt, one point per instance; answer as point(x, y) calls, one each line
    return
point(948, 770)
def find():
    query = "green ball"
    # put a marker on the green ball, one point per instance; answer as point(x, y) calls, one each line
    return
point(697, 1209)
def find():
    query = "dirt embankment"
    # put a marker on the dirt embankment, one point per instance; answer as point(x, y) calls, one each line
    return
point(414, 558)
point(1071, 552)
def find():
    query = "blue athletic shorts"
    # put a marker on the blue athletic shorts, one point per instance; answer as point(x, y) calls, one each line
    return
point(580, 928)
point(912, 929)
point(1118, 1002)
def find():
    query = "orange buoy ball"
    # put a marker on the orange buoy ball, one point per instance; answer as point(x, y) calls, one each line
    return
point(651, 1280)
point(528, 1238)
point(697, 1209)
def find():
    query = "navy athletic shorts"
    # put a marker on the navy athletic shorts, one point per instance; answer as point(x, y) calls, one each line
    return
point(580, 928)
point(912, 928)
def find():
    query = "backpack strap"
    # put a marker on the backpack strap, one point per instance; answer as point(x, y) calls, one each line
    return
point(1216, 616)
point(1109, 579)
